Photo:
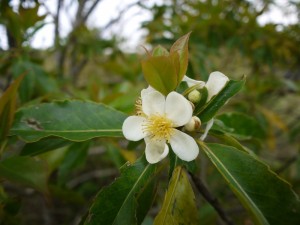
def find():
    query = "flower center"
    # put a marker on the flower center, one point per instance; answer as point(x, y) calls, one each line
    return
point(158, 127)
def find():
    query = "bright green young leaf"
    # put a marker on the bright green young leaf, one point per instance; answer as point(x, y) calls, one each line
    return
point(160, 51)
point(72, 120)
point(239, 126)
point(7, 107)
point(181, 47)
point(212, 107)
point(160, 72)
point(179, 206)
point(268, 198)
point(26, 171)
point(116, 204)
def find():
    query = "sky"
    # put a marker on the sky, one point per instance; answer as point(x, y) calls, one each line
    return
point(129, 26)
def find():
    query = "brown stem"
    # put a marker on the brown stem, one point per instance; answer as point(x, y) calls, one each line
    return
point(211, 199)
point(286, 164)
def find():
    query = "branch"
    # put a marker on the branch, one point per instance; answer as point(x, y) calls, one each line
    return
point(286, 164)
point(211, 199)
point(115, 20)
point(56, 23)
point(91, 9)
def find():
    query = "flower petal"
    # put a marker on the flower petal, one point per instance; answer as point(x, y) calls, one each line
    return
point(156, 150)
point(153, 102)
point(178, 109)
point(207, 128)
point(146, 91)
point(132, 128)
point(184, 146)
point(191, 82)
point(216, 82)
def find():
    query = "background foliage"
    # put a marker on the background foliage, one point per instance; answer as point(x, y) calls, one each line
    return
point(53, 176)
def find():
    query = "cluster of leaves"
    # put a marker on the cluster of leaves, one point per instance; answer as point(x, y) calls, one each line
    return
point(70, 150)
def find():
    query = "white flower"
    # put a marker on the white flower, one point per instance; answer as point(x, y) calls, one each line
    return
point(157, 125)
point(216, 82)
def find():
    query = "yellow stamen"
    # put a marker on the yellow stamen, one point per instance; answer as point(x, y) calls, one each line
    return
point(138, 107)
point(159, 127)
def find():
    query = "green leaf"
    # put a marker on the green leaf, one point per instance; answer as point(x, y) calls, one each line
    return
point(36, 81)
point(160, 51)
point(116, 204)
point(74, 158)
point(7, 107)
point(181, 47)
point(25, 171)
point(239, 126)
point(72, 120)
point(268, 198)
point(160, 72)
point(212, 107)
point(44, 145)
point(179, 205)
point(146, 198)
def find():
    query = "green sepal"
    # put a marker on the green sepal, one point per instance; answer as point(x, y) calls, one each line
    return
point(211, 108)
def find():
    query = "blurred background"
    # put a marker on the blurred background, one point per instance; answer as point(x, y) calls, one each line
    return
point(91, 50)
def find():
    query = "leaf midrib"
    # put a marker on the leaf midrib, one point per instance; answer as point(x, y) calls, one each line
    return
point(261, 216)
point(133, 187)
point(67, 131)
point(173, 192)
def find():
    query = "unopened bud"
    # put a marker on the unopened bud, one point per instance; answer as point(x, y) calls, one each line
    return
point(194, 96)
point(193, 125)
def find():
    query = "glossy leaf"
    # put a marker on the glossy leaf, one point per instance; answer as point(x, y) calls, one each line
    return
point(212, 107)
point(240, 126)
point(179, 206)
point(181, 47)
point(160, 72)
point(26, 171)
point(116, 204)
point(268, 198)
point(7, 107)
point(72, 120)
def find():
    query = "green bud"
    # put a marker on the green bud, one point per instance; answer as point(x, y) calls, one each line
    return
point(194, 96)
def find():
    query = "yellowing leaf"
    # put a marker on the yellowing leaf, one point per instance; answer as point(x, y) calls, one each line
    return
point(160, 73)
point(7, 107)
point(179, 204)
point(181, 47)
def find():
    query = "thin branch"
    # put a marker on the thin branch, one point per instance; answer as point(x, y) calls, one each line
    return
point(286, 164)
point(211, 199)
point(91, 9)
point(115, 20)
point(56, 23)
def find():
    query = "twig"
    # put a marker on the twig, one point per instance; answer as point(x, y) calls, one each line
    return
point(91, 9)
point(56, 23)
point(91, 175)
point(211, 199)
point(286, 164)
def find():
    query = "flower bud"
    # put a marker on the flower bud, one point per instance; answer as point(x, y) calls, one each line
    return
point(193, 125)
point(194, 96)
